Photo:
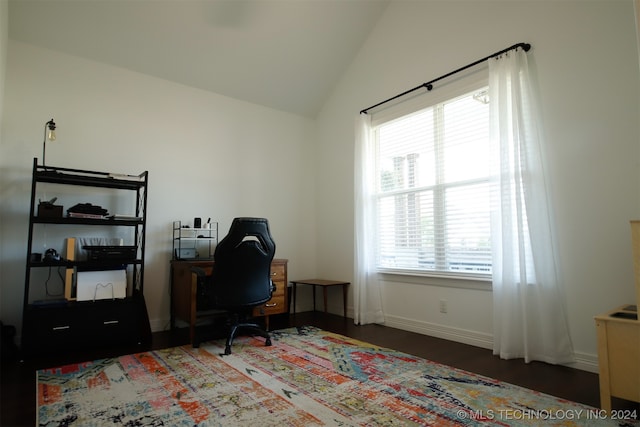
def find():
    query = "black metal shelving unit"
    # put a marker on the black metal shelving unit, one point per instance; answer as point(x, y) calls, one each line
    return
point(63, 324)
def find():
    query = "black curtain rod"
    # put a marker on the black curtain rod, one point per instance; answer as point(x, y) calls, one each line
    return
point(429, 85)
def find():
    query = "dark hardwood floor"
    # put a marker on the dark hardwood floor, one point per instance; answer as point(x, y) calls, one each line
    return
point(18, 391)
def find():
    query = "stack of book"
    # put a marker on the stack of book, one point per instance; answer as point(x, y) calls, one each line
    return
point(87, 210)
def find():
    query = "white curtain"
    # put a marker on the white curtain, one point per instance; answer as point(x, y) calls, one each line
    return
point(366, 288)
point(529, 318)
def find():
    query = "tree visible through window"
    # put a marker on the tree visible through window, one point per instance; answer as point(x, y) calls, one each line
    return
point(433, 188)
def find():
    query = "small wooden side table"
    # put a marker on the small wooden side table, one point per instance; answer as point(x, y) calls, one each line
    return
point(324, 284)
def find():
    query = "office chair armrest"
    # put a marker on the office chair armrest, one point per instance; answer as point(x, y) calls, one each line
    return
point(273, 287)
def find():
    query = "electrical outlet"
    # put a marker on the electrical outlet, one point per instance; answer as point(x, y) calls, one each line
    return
point(443, 306)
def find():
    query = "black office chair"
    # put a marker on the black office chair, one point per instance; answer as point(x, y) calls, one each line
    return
point(241, 277)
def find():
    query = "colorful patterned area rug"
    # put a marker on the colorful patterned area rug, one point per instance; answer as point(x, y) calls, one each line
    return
point(309, 377)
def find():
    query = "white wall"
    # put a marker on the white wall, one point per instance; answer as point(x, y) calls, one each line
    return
point(587, 62)
point(207, 156)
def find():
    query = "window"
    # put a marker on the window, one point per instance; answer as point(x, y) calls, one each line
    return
point(432, 194)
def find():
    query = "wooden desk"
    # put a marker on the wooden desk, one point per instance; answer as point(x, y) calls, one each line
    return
point(324, 284)
point(619, 355)
point(183, 292)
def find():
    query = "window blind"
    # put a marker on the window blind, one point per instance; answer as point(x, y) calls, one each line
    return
point(433, 188)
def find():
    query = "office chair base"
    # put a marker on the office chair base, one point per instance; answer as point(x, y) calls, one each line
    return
point(254, 328)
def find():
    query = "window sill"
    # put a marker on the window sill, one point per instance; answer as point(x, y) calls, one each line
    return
point(435, 279)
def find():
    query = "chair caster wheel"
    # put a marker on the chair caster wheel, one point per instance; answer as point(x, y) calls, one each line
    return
point(267, 342)
point(227, 350)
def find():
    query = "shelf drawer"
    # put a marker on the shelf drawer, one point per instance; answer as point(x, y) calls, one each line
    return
point(54, 329)
point(115, 326)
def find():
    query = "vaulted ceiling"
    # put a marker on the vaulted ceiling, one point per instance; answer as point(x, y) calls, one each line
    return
point(283, 54)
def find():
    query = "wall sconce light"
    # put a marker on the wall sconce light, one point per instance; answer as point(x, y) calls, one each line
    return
point(49, 134)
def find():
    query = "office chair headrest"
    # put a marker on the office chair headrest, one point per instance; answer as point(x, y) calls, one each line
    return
point(254, 231)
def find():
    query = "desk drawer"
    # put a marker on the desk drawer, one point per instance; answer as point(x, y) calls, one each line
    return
point(278, 302)
point(276, 305)
point(277, 272)
point(280, 289)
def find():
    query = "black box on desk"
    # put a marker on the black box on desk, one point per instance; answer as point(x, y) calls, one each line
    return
point(47, 210)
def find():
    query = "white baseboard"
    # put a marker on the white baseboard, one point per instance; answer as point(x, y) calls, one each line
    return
point(584, 361)
point(474, 338)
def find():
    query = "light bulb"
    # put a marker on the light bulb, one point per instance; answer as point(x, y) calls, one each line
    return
point(51, 133)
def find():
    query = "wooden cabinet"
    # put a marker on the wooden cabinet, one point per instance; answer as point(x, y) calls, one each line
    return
point(619, 355)
point(183, 293)
point(619, 342)
point(91, 325)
